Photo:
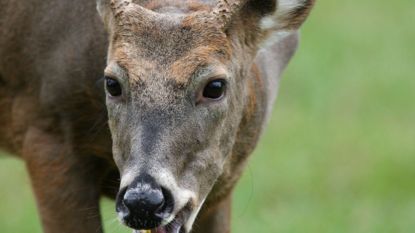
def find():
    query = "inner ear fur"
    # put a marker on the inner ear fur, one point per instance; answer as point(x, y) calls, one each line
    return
point(274, 15)
point(265, 22)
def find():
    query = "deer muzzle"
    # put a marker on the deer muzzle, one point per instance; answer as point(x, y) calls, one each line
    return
point(149, 206)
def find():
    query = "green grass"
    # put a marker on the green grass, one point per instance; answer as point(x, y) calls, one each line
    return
point(339, 152)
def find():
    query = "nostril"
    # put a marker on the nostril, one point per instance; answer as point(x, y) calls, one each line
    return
point(167, 207)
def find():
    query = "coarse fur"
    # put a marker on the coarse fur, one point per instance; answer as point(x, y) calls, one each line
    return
point(79, 143)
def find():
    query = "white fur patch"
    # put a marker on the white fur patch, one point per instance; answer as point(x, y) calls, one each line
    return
point(268, 22)
point(121, 216)
point(127, 179)
point(284, 7)
point(274, 38)
point(287, 5)
point(181, 196)
point(274, 22)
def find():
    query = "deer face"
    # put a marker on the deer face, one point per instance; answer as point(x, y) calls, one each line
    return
point(176, 91)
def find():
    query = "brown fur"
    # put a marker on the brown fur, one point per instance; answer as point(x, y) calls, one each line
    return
point(52, 58)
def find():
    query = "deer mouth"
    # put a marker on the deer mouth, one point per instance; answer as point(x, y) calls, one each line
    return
point(174, 226)
point(169, 228)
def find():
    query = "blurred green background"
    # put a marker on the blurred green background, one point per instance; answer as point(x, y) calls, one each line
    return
point(339, 152)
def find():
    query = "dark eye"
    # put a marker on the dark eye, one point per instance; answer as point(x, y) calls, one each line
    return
point(113, 86)
point(214, 89)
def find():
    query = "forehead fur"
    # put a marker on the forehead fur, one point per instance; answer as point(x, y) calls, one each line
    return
point(174, 44)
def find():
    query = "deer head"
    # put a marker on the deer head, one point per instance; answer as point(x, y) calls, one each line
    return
point(176, 83)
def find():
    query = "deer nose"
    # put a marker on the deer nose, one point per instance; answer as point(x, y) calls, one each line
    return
point(145, 203)
point(148, 201)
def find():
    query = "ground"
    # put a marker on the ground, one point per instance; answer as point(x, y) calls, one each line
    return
point(339, 152)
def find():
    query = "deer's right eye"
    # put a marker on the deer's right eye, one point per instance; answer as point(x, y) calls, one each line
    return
point(113, 86)
point(215, 89)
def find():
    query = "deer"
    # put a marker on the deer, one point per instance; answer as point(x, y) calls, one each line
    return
point(157, 104)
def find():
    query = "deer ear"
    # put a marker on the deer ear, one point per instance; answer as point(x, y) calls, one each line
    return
point(285, 15)
point(276, 19)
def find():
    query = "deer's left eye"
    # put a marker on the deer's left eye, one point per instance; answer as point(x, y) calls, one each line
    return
point(215, 89)
point(113, 86)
